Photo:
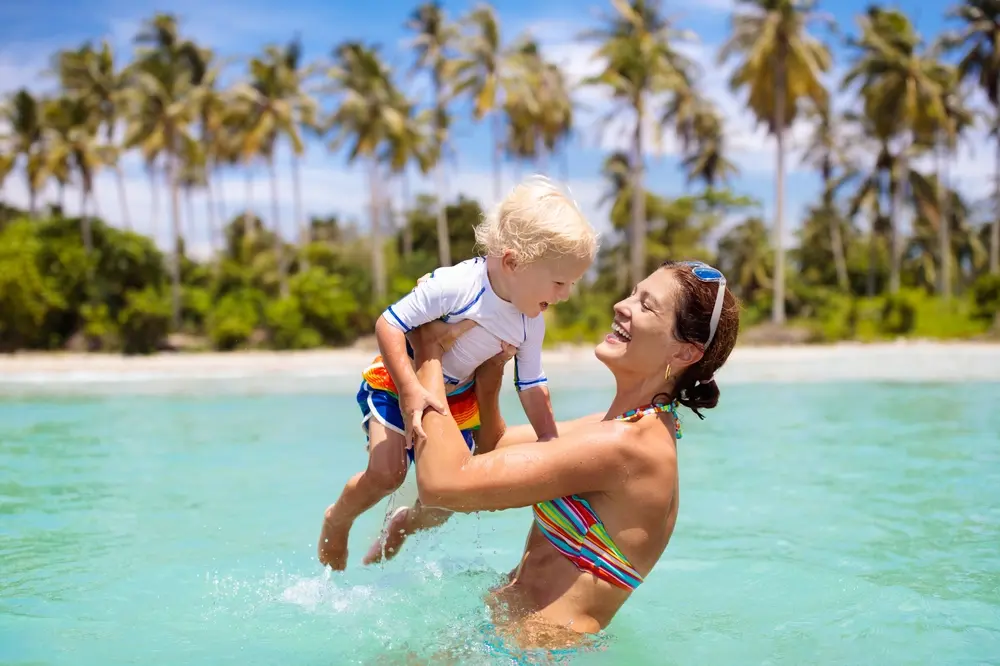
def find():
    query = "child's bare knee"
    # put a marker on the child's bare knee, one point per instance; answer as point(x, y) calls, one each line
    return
point(387, 476)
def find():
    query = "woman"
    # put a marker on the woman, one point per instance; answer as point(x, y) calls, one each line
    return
point(605, 492)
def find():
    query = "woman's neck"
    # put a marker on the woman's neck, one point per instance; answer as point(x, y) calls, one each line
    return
point(632, 392)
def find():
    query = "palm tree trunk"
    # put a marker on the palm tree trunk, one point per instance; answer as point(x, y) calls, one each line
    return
point(304, 235)
point(895, 233)
point(221, 203)
point(836, 239)
point(248, 230)
point(497, 157)
point(444, 237)
point(872, 259)
point(778, 304)
point(278, 243)
point(95, 207)
point(86, 233)
point(404, 212)
point(378, 260)
point(944, 220)
point(637, 245)
point(122, 200)
point(175, 255)
point(839, 255)
point(62, 199)
point(189, 203)
point(155, 195)
point(210, 206)
point(85, 229)
point(995, 227)
point(444, 241)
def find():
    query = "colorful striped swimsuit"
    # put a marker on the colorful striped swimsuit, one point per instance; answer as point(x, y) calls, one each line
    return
point(572, 526)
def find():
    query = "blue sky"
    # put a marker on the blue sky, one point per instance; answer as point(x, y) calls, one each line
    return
point(31, 32)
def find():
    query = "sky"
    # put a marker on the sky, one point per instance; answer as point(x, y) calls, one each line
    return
point(31, 32)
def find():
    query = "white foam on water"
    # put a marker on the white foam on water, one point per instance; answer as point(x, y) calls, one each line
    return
point(314, 594)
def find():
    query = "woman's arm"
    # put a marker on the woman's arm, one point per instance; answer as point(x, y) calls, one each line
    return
point(448, 476)
point(494, 433)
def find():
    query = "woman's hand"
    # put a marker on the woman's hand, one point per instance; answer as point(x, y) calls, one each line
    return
point(434, 338)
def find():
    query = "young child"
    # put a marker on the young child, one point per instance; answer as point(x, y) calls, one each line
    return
point(537, 244)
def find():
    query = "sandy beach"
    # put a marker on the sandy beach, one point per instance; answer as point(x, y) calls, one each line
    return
point(337, 369)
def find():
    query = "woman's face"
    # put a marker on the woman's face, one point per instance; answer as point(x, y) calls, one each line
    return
point(642, 340)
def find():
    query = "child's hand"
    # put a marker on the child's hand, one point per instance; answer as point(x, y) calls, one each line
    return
point(413, 403)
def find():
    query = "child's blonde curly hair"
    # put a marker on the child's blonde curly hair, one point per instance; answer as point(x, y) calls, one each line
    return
point(537, 221)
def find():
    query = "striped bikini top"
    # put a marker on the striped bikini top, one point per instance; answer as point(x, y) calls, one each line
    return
point(575, 530)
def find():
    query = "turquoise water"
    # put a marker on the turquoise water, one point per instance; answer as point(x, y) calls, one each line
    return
point(819, 524)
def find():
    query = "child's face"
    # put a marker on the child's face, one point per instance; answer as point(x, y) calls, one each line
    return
point(536, 286)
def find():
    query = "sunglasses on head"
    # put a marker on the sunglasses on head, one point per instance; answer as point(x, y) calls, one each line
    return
point(707, 273)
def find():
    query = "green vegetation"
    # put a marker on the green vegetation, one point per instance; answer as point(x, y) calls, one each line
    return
point(855, 270)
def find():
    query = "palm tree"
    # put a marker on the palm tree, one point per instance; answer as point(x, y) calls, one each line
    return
point(538, 102)
point(370, 111)
point(89, 75)
point(979, 40)
point(163, 105)
point(74, 143)
point(826, 153)
point(58, 123)
point(745, 257)
point(902, 95)
point(6, 166)
point(480, 74)
point(638, 44)
point(202, 162)
point(554, 98)
point(617, 171)
point(780, 65)
point(948, 130)
point(706, 159)
point(275, 107)
point(965, 249)
point(23, 114)
point(409, 143)
point(434, 41)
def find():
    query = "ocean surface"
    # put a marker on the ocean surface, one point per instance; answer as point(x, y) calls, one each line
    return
point(839, 523)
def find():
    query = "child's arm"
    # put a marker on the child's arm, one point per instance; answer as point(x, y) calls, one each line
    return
point(538, 408)
point(531, 383)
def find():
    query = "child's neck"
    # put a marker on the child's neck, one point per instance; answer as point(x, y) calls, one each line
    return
point(494, 273)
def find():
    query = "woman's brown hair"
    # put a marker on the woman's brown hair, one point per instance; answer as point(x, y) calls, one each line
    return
point(696, 388)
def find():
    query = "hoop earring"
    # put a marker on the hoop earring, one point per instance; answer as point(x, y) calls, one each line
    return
point(666, 375)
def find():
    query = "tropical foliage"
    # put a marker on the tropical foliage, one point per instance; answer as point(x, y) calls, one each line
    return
point(890, 248)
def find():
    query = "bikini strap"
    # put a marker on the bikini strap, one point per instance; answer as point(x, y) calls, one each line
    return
point(653, 408)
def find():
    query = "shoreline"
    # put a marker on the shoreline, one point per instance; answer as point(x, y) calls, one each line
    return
point(567, 367)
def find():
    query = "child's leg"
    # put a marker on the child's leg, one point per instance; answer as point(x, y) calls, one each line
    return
point(405, 521)
point(408, 520)
point(385, 473)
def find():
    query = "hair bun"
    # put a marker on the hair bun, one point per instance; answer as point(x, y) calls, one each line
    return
point(703, 395)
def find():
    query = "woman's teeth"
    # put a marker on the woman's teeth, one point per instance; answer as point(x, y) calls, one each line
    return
point(620, 332)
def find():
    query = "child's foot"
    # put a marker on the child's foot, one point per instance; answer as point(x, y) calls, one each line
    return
point(333, 541)
point(395, 535)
